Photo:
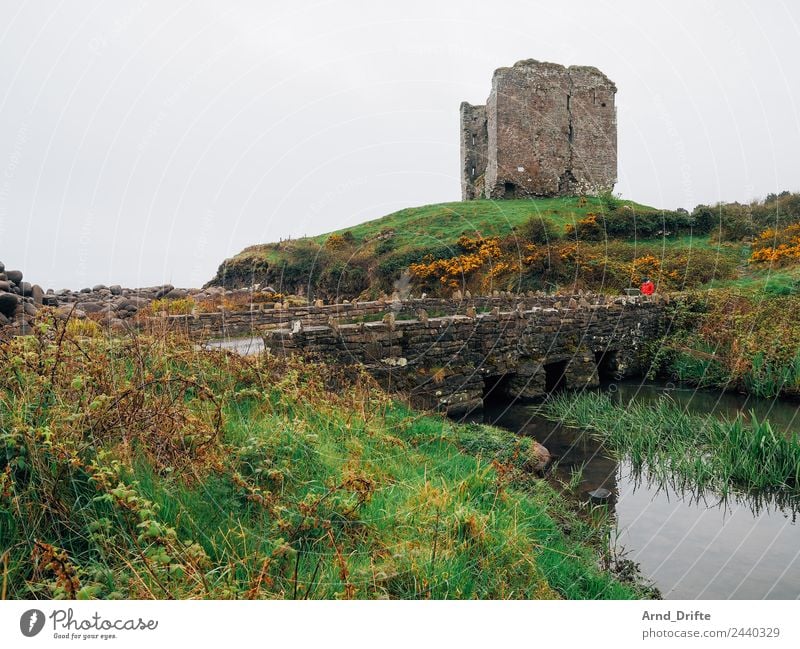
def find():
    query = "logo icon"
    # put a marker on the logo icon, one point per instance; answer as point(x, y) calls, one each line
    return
point(31, 622)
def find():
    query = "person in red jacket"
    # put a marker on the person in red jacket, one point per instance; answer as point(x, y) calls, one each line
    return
point(647, 287)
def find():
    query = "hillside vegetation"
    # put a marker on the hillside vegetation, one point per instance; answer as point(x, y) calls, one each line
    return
point(143, 467)
point(600, 243)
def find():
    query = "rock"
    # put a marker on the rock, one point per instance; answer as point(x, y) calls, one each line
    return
point(14, 276)
point(268, 289)
point(115, 289)
point(132, 303)
point(70, 311)
point(177, 294)
point(8, 304)
point(92, 307)
point(540, 457)
point(600, 495)
point(5, 286)
point(98, 287)
point(117, 324)
point(2, 267)
point(86, 290)
point(29, 308)
point(163, 290)
point(49, 300)
point(26, 289)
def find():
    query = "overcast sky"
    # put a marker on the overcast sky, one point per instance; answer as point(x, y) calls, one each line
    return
point(144, 142)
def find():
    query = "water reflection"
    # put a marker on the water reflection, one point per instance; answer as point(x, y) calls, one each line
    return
point(690, 543)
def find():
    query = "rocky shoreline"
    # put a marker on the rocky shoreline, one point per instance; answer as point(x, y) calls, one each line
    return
point(21, 301)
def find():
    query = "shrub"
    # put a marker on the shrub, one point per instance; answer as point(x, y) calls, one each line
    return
point(180, 306)
point(539, 229)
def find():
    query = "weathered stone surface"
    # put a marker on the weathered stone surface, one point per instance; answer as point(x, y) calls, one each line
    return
point(14, 276)
point(540, 457)
point(546, 130)
point(8, 304)
point(524, 349)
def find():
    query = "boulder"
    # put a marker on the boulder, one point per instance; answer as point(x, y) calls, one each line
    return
point(92, 307)
point(177, 293)
point(29, 308)
point(117, 324)
point(26, 289)
point(37, 293)
point(115, 289)
point(8, 304)
point(163, 290)
point(14, 276)
point(2, 267)
point(539, 458)
point(600, 495)
point(98, 287)
point(5, 286)
point(69, 310)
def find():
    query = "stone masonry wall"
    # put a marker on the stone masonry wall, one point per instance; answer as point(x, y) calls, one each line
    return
point(550, 131)
point(473, 150)
point(448, 363)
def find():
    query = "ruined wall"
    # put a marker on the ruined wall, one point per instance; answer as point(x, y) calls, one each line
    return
point(594, 121)
point(550, 131)
point(473, 150)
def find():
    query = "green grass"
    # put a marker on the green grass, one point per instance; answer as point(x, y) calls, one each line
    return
point(445, 222)
point(416, 227)
point(144, 468)
point(696, 452)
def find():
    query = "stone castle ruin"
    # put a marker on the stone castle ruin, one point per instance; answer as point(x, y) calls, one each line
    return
point(546, 130)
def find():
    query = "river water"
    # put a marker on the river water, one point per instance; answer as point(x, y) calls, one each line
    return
point(690, 545)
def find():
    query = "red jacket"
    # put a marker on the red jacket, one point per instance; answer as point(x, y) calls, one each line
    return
point(647, 288)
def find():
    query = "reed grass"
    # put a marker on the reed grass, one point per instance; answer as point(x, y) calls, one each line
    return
point(704, 452)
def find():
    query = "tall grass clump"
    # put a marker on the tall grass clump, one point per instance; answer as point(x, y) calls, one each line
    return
point(740, 338)
point(143, 467)
point(701, 451)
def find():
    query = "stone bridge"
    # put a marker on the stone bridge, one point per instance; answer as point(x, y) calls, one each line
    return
point(483, 348)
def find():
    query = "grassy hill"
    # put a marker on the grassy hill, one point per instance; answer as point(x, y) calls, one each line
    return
point(602, 243)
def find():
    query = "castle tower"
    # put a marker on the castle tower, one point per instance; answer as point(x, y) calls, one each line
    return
point(545, 130)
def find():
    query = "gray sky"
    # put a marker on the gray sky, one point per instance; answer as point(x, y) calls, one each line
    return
point(144, 142)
